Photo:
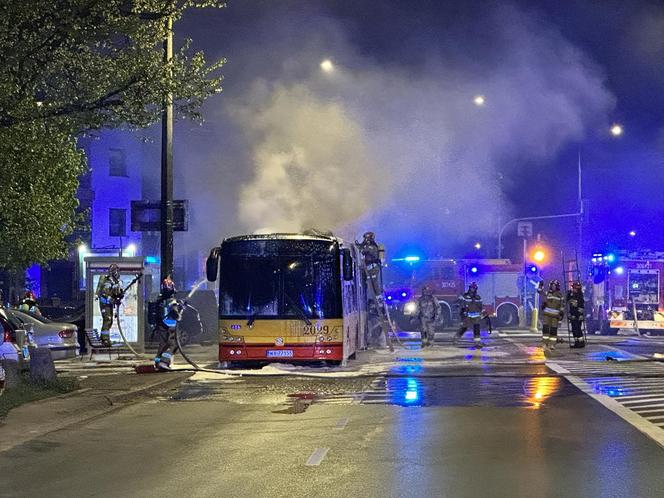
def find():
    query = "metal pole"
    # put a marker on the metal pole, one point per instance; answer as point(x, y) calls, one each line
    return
point(579, 257)
point(167, 163)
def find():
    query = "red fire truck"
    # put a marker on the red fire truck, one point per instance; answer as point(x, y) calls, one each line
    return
point(627, 292)
point(498, 283)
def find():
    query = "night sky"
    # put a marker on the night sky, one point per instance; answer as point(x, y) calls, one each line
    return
point(556, 75)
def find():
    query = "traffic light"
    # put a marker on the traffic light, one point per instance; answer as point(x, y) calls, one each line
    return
point(538, 254)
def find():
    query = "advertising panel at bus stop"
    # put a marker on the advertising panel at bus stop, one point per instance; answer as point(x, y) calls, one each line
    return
point(132, 308)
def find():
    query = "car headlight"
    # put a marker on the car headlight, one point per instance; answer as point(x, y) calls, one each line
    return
point(409, 308)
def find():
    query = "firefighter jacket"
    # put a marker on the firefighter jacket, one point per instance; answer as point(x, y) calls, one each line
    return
point(29, 306)
point(428, 308)
point(471, 305)
point(109, 290)
point(370, 252)
point(552, 304)
point(575, 304)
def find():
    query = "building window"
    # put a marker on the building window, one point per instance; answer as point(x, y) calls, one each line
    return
point(117, 222)
point(117, 163)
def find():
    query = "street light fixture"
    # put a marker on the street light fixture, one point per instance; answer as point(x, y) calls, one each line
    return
point(479, 100)
point(539, 255)
point(327, 66)
point(478, 245)
point(616, 130)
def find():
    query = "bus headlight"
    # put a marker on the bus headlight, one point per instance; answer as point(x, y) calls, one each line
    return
point(410, 308)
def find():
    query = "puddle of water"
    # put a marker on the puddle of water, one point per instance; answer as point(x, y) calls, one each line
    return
point(298, 403)
point(603, 355)
point(481, 391)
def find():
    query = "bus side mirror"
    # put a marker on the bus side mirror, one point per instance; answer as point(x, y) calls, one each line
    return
point(212, 265)
point(347, 259)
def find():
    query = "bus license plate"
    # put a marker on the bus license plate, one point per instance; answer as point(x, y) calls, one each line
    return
point(279, 353)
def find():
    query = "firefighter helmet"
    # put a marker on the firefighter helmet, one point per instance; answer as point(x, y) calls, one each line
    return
point(368, 236)
point(554, 285)
point(472, 287)
point(167, 287)
point(29, 296)
point(114, 271)
point(427, 291)
point(576, 285)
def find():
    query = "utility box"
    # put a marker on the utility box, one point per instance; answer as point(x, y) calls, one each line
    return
point(132, 309)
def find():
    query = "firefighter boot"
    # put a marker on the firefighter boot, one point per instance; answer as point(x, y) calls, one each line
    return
point(165, 361)
point(545, 337)
point(105, 339)
point(579, 343)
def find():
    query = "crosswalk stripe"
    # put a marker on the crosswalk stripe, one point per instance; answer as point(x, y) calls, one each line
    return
point(598, 379)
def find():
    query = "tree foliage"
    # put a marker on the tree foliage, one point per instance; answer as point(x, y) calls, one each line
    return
point(96, 63)
point(67, 67)
point(40, 167)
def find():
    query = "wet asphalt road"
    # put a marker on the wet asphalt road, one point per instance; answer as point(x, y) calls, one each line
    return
point(480, 424)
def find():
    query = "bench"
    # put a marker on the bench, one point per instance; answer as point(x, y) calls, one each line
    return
point(93, 338)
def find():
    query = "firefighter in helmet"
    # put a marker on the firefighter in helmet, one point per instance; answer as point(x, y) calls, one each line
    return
point(471, 313)
point(429, 312)
point(575, 313)
point(170, 313)
point(29, 303)
point(109, 293)
point(370, 251)
point(552, 313)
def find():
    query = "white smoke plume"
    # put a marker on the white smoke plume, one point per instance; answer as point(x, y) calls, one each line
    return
point(312, 166)
point(397, 147)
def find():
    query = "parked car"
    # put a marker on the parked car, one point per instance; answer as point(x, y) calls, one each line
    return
point(74, 315)
point(8, 347)
point(60, 338)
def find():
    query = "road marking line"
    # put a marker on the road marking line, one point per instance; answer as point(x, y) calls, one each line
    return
point(643, 401)
point(655, 410)
point(317, 457)
point(358, 398)
point(656, 417)
point(651, 430)
point(643, 397)
point(341, 424)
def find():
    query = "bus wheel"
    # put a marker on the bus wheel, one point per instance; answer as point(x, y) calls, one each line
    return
point(507, 316)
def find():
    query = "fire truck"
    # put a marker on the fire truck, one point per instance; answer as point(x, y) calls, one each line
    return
point(627, 292)
point(499, 282)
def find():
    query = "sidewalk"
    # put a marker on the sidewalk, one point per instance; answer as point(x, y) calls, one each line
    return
point(98, 395)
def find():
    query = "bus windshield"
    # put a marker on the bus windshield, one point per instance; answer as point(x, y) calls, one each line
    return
point(280, 278)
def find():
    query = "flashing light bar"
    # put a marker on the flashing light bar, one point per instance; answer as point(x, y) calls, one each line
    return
point(408, 259)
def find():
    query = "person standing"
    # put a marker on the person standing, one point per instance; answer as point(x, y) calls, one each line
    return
point(575, 313)
point(552, 313)
point(170, 313)
point(109, 293)
point(429, 312)
point(29, 304)
point(471, 313)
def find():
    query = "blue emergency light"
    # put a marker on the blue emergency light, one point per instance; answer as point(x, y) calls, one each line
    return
point(474, 269)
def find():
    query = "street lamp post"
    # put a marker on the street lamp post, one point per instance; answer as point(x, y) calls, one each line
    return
point(167, 163)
